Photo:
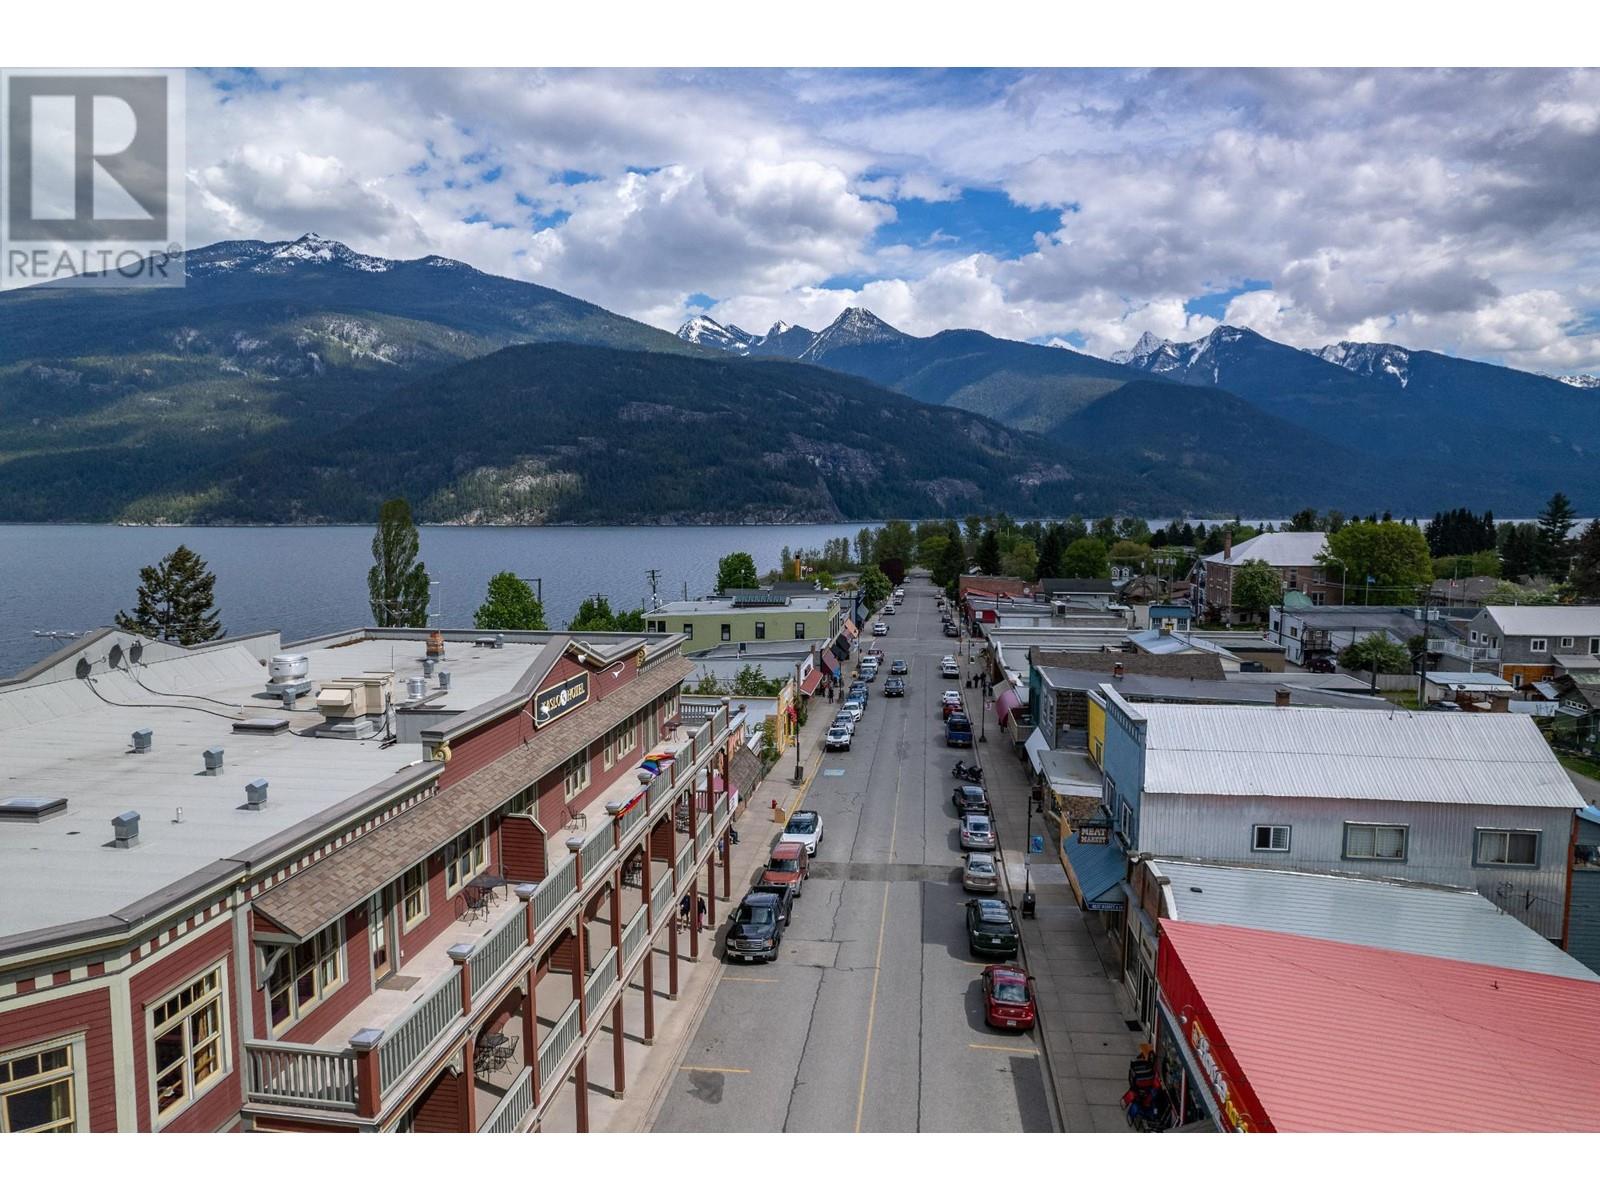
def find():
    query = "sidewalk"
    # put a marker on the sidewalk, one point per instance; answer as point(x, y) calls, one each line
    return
point(1082, 1022)
point(652, 1069)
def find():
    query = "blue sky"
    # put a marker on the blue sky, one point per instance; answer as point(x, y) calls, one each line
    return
point(1443, 210)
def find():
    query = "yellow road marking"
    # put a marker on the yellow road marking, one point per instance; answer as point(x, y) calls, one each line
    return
point(805, 786)
point(719, 1070)
point(877, 966)
point(745, 979)
point(1003, 1049)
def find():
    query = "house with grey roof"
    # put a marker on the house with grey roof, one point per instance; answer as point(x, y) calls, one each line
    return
point(1526, 643)
point(1294, 556)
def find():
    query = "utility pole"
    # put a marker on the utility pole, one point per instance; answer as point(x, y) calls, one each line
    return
point(652, 575)
point(1422, 683)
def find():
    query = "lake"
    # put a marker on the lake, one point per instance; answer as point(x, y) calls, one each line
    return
point(306, 581)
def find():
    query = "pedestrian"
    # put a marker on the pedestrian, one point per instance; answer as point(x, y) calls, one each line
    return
point(700, 913)
point(683, 912)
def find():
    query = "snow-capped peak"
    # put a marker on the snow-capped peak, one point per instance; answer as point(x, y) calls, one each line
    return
point(1147, 344)
point(1579, 381)
point(708, 331)
point(1376, 359)
point(779, 328)
point(852, 327)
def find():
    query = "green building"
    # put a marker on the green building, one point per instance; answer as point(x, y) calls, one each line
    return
point(751, 618)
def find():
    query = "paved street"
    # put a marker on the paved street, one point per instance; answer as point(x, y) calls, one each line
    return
point(871, 1019)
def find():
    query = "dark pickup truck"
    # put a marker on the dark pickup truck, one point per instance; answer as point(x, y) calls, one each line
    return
point(756, 930)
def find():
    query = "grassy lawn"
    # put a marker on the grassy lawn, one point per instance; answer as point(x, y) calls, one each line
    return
point(1406, 698)
point(1582, 766)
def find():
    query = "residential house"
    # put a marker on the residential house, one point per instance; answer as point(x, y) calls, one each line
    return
point(1308, 634)
point(1583, 921)
point(993, 585)
point(1526, 643)
point(1293, 555)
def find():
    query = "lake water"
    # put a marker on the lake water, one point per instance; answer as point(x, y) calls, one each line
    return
point(308, 581)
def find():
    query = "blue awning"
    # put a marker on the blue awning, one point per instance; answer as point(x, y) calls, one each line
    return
point(1095, 873)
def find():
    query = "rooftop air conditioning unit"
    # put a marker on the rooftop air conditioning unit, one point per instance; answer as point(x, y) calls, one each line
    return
point(351, 698)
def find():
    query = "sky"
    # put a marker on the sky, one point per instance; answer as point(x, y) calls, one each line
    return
point(1442, 210)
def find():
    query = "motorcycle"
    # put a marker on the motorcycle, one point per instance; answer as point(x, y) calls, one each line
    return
point(972, 774)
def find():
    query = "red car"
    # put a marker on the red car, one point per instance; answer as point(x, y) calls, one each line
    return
point(1008, 998)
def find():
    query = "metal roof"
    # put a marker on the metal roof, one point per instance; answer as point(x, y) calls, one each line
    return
point(1472, 681)
point(1414, 918)
point(1334, 1037)
point(1432, 757)
point(1252, 688)
point(1276, 550)
point(1161, 641)
point(1546, 620)
point(1097, 873)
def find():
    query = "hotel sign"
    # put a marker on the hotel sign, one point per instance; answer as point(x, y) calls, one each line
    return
point(560, 698)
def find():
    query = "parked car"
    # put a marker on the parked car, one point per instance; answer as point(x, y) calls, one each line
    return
point(858, 691)
point(894, 686)
point(969, 797)
point(899, 667)
point(888, 610)
point(756, 928)
point(979, 874)
point(949, 670)
point(805, 827)
point(1008, 1000)
point(838, 737)
point(977, 832)
point(1321, 664)
point(852, 709)
point(990, 929)
point(951, 631)
point(788, 863)
point(868, 674)
point(958, 730)
point(950, 706)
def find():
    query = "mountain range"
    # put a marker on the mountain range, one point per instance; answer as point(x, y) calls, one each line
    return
point(302, 380)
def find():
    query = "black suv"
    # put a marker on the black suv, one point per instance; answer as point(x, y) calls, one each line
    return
point(970, 798)
point(756, 930)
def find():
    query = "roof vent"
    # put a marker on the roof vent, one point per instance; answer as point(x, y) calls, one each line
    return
point(255, 794)
point(141, 740)
point(32, 809)
point(444, 680)
point(428, 665)
point(263, 726)
point(125, 830)
point(416, 687)
point(213, 760)
point(499, 641)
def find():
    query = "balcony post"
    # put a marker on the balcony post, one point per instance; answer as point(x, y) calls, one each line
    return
point(469, 1093)
point(580, 1079)
point(711, 888)
point(461, 955)
point(616, 911)
point(727, 864)
point(619, 1064)
point(694, 918)
point(650, 993)
point(525, 893)
point(530, 1025)
point(580, 968)
point(369, 1085)
point(672, 958)
point(575, 845)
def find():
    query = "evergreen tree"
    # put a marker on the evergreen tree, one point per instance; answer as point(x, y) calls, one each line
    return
point(593, 614)
point(989, 552)
point(1519, 550)
point(952, 563)
point(738, 570)
point(1050, 548)
point(176, 601)
point(1585, 575)
point(1305, 521)
point(397, 585)
point(1376, 651)
point(510, 604)
point(1555, 523)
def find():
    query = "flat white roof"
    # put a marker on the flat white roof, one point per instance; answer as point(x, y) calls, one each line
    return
point(1546, 620)
point(1276, 550)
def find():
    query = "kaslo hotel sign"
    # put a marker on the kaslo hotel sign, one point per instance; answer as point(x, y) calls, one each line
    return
point(560, 698)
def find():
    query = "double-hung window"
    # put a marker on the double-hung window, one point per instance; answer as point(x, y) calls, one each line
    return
point(414, 894)
point(464, 859)
point(1383, 842)
point(1506, 848)
point(39, 1089)
point(761, 630)
point(304, 976)
point(1270, 837)
point(799, 631)
point(187, 1048)
point(1538, 645)
point(727, 633)
point(577, 774)
point(1566, 643)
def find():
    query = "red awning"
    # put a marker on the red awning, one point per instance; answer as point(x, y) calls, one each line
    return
point(850, 628)
point(809, 684)
point(1006, 704)
point(830, 663)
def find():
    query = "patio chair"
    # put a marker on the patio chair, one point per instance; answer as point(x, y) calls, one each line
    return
point(483, 1060)
point(477, 904)
point(503, 1054)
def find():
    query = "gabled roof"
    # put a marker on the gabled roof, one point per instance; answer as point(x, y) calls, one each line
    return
point(1333, 1037)
point(1276, 550)
point(1340, 754)
point(1546, 620)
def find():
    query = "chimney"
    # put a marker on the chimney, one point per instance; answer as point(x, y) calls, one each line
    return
point(125, 830)
point(1227, 545)
point(255, 794)
point(141, 741)
point(1280, 696)
point(1116, 670)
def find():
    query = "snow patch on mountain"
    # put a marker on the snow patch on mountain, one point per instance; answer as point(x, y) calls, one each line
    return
point(707, 331)
point(1579, 381)
point(1373, 359)
point(852, 327)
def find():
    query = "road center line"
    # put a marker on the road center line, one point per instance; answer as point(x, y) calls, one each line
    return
point(719, 1070)
point(1003, 1049)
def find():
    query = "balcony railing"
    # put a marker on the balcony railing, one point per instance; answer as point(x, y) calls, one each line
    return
point(629, 819)
point(685, 862)
point(498, 947)
point(635, 934)
point(600, 981)
point(313, 1076)
point(660, 788)
point(554, 892)
point(406, 1042)
point(553, 1048)
point(1463, 650)
point(514, 1106)
point(702, 838)
point(601, 843)
point(661, 892)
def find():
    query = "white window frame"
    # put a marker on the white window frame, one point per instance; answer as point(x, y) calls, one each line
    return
point(1594, 645)
point(182, 1019)
point(688, 630)
point(1479, 860)
point(326, 968)
point(465, 858)
point(1538, 645)
point(575, 775)
point(409, 922)
point(1271, 831)
point(1405, 842)
point(75, 1073)
point(799, 631)
point(1566, 643)
point(761, 631)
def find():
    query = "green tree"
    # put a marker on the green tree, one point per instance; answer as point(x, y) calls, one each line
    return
point(1392, 554)
point(397, 584)
point(1050, 550)
point(176, 601)
point(710, 685)
point(1519, 550)
point(1584, 578)
point(1256, 587)
point(737, 570)
point(1021, 561)
point(952, 564)
point(1555, 523)
point(1506, 592)
point(931, 549)
point(750, 681)
point(875, 587)
point(509, 604)
point(1130, 554)
point(895, 540)
point(1085, 559)
point(594, 614)
point(989, 552)
point(1375, 651)
point(1304, 521)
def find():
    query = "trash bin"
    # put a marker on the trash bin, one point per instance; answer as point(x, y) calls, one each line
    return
point(1027, 904)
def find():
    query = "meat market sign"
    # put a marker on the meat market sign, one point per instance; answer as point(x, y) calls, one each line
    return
point(559, 699)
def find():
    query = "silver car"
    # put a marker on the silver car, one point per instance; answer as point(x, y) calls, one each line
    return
point(979, 875)
point(977, 832)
